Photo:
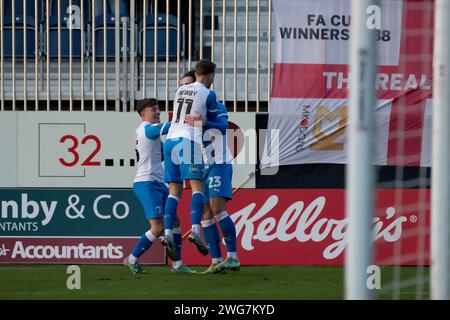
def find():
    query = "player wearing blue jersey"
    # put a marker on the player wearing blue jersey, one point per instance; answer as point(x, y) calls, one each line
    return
point(218, 189)
point(148, 184)
point(182, 153)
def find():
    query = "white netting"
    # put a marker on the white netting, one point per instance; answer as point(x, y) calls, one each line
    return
point(404, 184)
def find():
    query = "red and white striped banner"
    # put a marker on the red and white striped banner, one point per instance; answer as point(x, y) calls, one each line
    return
point(311, 81)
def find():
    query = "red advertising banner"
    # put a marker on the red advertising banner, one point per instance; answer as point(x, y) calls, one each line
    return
point(86, 250)
point(308, 227)
point(274, 227)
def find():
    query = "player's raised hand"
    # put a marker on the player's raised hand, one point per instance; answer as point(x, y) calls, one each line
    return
point(194, 120)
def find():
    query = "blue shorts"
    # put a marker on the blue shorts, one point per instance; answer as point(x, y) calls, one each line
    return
point(153, 196)
point(218, 181)
point(182, 160)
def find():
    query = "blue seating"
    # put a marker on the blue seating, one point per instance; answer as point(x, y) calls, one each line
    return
point(70, 23)
point(70, 19)
point(110, 37)
point(19, 31)
point(110, 29)
point(150, 32)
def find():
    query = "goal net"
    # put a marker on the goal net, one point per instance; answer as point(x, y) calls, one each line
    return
point(402, 181)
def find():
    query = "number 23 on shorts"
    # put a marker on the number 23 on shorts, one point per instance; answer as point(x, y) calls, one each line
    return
point(214, 182)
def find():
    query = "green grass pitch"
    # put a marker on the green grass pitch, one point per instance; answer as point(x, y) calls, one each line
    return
point(251, 282)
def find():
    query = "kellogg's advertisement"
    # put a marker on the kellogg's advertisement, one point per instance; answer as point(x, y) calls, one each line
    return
point(308, 227)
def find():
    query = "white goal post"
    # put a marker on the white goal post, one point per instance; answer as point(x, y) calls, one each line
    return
point(440, 177)
point(360, 169)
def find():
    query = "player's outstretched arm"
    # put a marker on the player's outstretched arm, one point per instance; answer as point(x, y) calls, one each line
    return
point(220, 123)
point(217, 120)
point(155, 130)
point(211, 101)
point(165, 128)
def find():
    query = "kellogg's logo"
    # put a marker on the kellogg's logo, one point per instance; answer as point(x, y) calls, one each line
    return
point(308, 224)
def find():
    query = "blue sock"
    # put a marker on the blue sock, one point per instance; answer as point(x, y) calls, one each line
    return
point(170, 212)
point(228, 231)
point(178, 241)
point(212, 238)
point(196, 207)
point(143, 245)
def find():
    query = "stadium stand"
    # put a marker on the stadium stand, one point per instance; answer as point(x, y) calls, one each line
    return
point(150, 27)
point(18, 20)
point(70, 18)
point(230, 38)
point(110, 28)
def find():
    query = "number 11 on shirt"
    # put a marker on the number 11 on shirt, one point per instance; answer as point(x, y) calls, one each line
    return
point(185, 105)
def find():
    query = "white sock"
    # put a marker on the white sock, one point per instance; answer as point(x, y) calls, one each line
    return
point(207, 223)
point(169, 233)
point(232, 255)
point(132, 259)
point(150, 236)
point(177, 264)
point(196, 228)
point(222, 215)
point(217, 260)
